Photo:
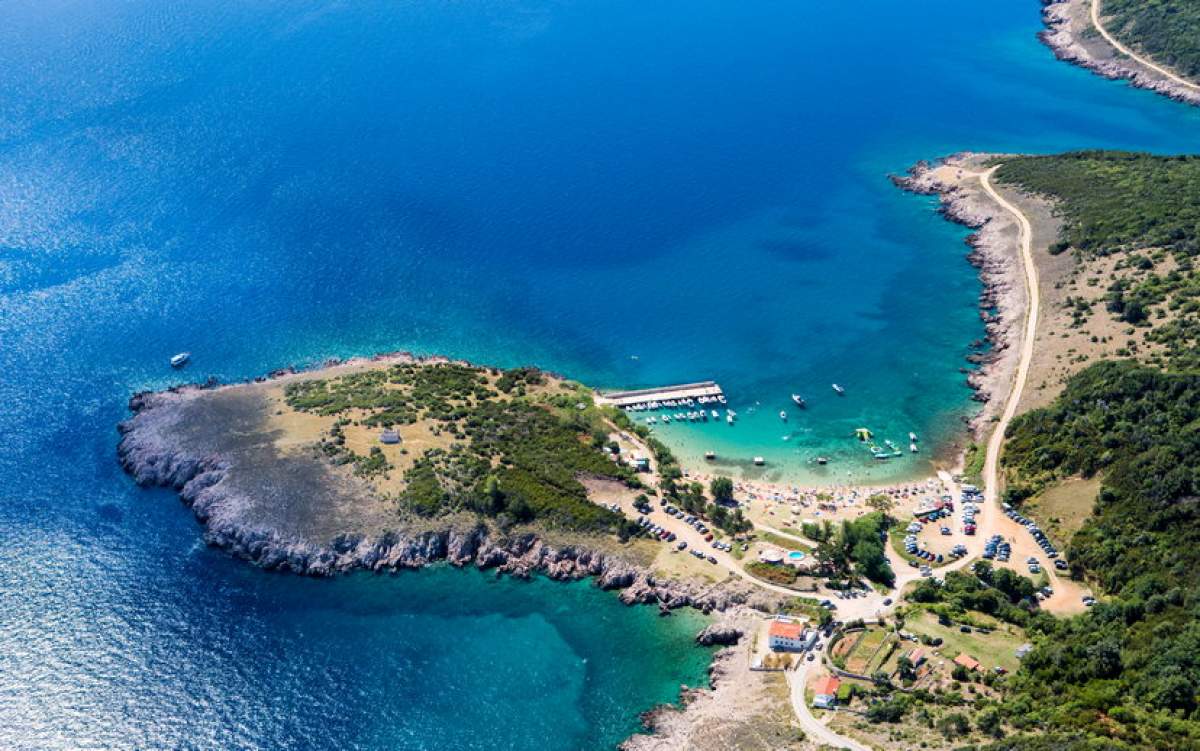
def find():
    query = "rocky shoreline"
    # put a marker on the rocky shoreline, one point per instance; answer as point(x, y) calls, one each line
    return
point(152, 452)
point(1070, 35)
point(994, 254)
point(147, 454)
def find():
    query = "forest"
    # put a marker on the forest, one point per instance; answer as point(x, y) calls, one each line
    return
point(1165, 30)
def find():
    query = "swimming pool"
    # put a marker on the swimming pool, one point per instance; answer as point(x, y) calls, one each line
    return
point(795, 555)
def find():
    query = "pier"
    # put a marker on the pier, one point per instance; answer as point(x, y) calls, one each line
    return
point(708, 390)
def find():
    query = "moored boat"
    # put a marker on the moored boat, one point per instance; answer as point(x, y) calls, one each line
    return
point(839, 390)
point(181, 359)
point(799, 400)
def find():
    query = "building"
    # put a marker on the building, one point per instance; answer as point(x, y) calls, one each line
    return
point(916, 656)
point(967, 661)
point(389, 436)
point(786, 637)
point(825, 695)
point(1023, 650)
point(641, 464)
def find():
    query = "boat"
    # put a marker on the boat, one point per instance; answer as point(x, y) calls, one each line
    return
point(666, 418)
point(799, 400)
point(913, 447)
point(822, 460)
point(710, 455)
point(721, 398)
point(759, 461)
point(651, 420)
point(783, 415)
point(729, 419)
point(716, 415)
point(181, 359)
point(839, 390)
point(912, 437)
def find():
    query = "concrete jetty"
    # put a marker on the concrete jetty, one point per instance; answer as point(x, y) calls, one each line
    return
point(683, 391)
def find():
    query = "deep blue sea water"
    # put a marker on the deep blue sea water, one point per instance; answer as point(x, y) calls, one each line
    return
point(623, 191)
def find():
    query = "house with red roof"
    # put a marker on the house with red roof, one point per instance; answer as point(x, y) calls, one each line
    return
point(825, 694)
point(967, 661)
point(785, 636)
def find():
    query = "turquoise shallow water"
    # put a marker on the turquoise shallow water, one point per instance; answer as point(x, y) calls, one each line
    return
point(699, 185)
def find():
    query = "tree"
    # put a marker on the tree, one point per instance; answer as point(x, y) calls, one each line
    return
point(721, 489)
point(891, 710)
point(988, 722)
point(954, 725)
point(881, 502)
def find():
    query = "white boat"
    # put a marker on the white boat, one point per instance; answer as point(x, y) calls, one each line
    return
point(666, 418)
point(759, 461)
point(716, 415)
point(783, 415)
point(799, 400)
point(181, 359)
point(839, 390)
point(721, 398)
point(729, 419)
point(912, 437)
point(913, 447)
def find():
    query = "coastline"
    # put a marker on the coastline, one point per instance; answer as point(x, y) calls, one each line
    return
point(146, 454)
point(993, 244)
point(1073, 38)
point(151, 452)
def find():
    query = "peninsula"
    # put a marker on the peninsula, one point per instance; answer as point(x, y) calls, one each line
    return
point(1090, 399)
point(1152, 45)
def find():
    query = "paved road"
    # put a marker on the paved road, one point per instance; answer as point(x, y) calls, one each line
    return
point(1130, 53)
point(813, 728)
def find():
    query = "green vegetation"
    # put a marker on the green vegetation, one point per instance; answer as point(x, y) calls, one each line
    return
point(1001, 593)
point(1165, 30)
point(974, 458)
point(774, 573)
point(1126, 674)
point(514, 458)
point(858, 549)
point(1144, 208)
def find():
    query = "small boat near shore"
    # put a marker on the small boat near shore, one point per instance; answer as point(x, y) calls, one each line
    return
point(783, 415)
point(799, 401)
point(181, 359)
point(839, 390)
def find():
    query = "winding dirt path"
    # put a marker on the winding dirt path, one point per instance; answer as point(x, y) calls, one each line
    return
point(1165, 72)
point(991, 480)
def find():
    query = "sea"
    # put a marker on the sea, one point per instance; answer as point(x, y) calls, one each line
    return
point(629, 193)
